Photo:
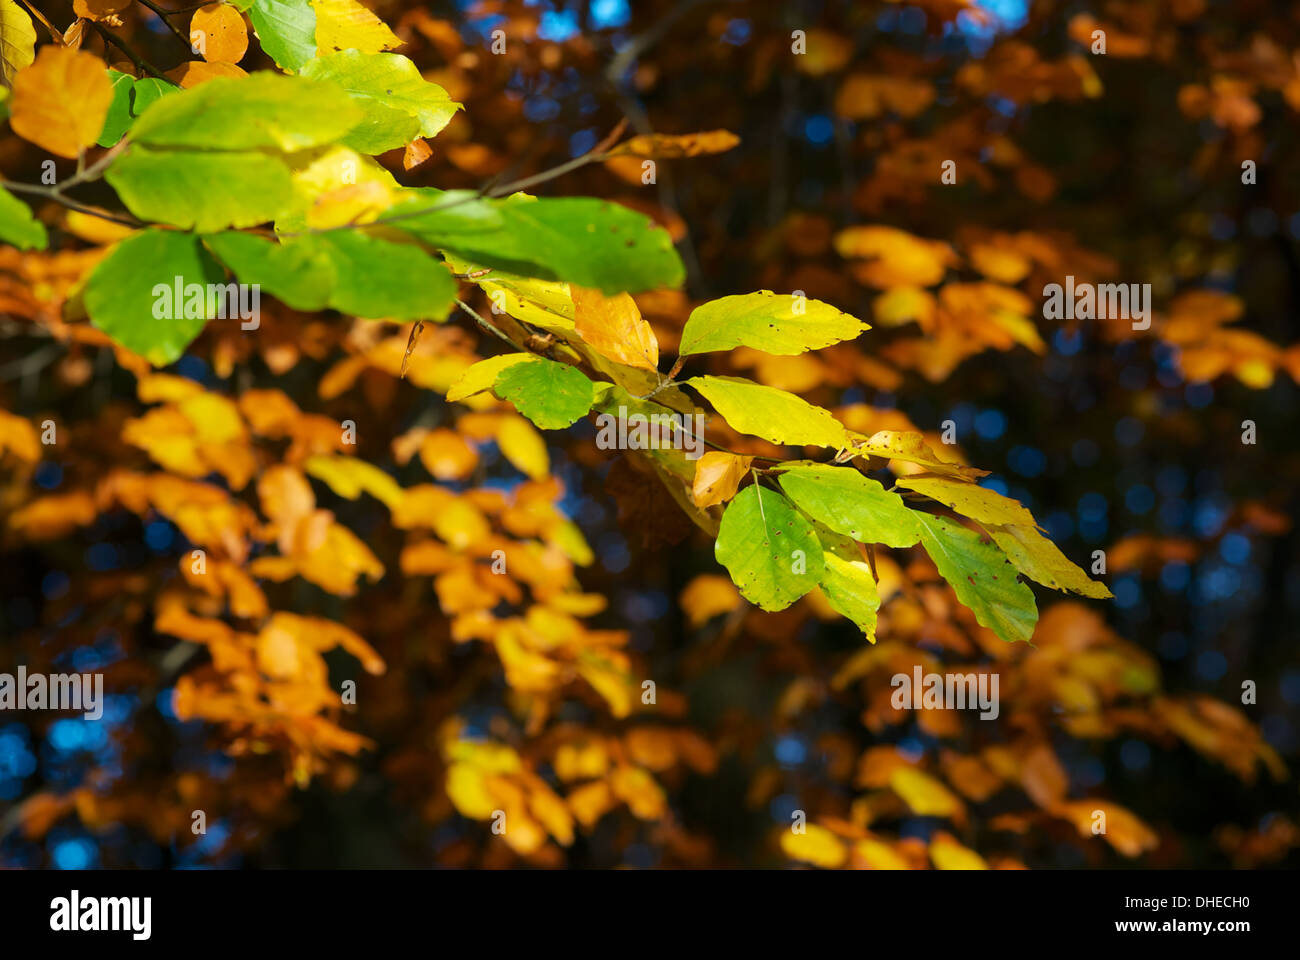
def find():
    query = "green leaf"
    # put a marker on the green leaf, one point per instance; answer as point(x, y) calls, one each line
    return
point(850, 504)
point(131, 98)
point(201, 191)
point(552, 395)
point(299, 275)
point(982, 576)
point(263, 110)
point(770, 413)
point(128, 295)
point(774, 323)
point(398, 104)
point(147, 91)
point(770, 550)
point(118, 118)
point(286, 29)
point(18, 225)
point(851, 590)
point(380, 278)
point(433, 214)
point(592, 243)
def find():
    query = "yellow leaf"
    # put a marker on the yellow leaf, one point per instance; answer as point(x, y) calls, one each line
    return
point(92, 229)
point(1043, 562)
point(483, 374)
point(347, 25)
point(348, 477)
point(614, 327)
point(55, 515)
point(769, 413)
point(215, 418)
point(910, 447)
point(60, 101)
point(642, 794)
point(351, 203)
point(524, 447)
point(896, 258)
point(446, 455)
point(166, 388)
point(1125, 832)
point(468, 792)
point(551, 812)
point(461, 525)
point(979, 503)
point(999, 263)
point(901, 305)
point(717, 475)
point(612, 684)
point(18, 436)
point(816, 845)
point(948, 854)
point(708, 595)
point(876, 855)
point(590, 802)
point(224, 36)
point(17, 40)
point(923, 794)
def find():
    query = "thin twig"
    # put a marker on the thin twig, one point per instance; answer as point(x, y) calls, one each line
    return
point(485, 324)
point(163, 15)
point(51, 194)
point(140, 63)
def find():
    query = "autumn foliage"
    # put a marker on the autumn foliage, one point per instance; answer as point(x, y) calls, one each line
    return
point(370, 552)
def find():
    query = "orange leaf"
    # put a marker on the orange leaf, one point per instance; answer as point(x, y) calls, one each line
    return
point(717, 475)
point(681, 145)
point(99, 9)
point(60, 101)
point(218, 33)
point(194, 72)
point(615, 328)
point(417, 151)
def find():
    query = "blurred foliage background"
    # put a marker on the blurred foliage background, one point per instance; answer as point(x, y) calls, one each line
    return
point(1125, 167)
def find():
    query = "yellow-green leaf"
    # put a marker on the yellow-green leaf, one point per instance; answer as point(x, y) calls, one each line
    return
point(770, 413)
point(982, 577)
point(774, 323)
point(483, 374)
point(851, 590)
